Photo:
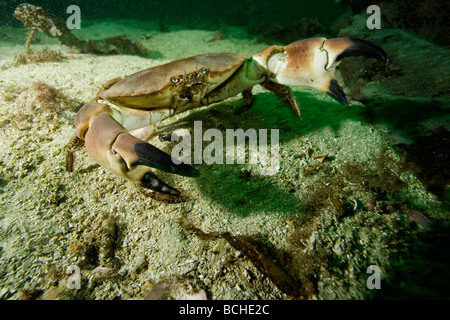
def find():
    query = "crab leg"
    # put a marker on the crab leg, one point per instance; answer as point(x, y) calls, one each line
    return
point(110, 145)
point(249, 99)
point(74, 144)
point(284, 93)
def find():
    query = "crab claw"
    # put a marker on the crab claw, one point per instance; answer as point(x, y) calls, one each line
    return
point(110, 145)
point(312, 62)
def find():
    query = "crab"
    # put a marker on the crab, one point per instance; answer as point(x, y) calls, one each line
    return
point(112, 128)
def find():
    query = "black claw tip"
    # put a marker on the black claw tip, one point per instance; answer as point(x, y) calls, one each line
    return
point(153, 157)
point(335, 90)
point(150, 181)
point(364, 48)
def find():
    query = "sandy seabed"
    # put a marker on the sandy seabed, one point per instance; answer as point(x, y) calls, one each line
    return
point(337, 205)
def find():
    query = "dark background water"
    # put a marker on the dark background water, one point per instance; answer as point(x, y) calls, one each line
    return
point(272, 20)
point(193, 14)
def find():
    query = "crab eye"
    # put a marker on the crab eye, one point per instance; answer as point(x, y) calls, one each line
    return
point(204, 71)
point(174, 80)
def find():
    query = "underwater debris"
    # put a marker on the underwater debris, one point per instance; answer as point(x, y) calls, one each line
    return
point(33, 57)
point(258, 253)
point(336, 194)
point(95, 242)
point(321, 157)
point(175, 288)
point(163, 198)
point(41, 97)
point(57, 292)
point(217, 36)
point(146, 36)
point(38, 19)
point(42, 94)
